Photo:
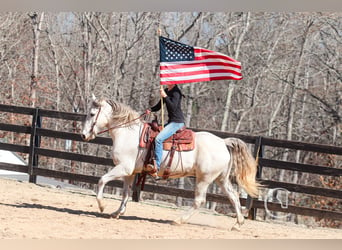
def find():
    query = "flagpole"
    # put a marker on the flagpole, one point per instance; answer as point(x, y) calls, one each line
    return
point(161, 87)
point(162, 108)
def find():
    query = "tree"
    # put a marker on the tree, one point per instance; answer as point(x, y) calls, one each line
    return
point(37, 21)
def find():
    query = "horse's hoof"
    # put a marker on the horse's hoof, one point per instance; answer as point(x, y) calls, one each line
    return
point(236, 227)
point(101, 206)
point(177, 222)
point(240, 220)
point(115, 215)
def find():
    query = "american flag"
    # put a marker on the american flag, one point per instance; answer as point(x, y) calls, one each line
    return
point(181, 63)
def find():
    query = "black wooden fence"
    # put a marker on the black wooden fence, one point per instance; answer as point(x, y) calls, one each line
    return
point(34, 150)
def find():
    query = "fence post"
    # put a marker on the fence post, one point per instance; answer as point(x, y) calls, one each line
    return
point(136, 189)
point(34, 143)
point(258, 153)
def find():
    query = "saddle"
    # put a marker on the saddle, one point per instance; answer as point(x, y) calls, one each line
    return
point(182, 140)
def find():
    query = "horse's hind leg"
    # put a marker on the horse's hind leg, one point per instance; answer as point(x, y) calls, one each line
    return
point(200, 197)
point(126, 191)
point(228, 189)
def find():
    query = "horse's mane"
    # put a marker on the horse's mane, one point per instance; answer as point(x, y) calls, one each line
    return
point(122, 113)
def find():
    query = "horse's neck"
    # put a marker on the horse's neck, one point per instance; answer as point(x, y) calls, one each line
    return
point(123, 122)
point(127, 131)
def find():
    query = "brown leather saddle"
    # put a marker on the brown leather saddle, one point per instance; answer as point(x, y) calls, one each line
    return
point(182, 140)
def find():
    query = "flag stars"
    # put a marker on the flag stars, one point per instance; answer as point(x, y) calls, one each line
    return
point(176, 51)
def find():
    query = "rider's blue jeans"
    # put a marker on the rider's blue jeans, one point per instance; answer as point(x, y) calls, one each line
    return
point(168, 130)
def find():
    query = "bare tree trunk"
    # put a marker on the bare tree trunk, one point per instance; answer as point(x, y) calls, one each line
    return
point(56, 64)
point(87, 55)
point(276, 111)
point(231, 87)
point(120, 55)
point(227, 107)
point(12, 115)
point(36, 28)
point(189, 105)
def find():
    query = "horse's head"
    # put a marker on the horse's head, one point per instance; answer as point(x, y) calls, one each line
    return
point(95, 120)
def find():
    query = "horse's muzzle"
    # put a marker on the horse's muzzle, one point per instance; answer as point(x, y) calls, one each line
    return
point(87, 136)
point(83, 137)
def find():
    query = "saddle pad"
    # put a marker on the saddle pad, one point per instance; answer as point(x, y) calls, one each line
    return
point(183, 139)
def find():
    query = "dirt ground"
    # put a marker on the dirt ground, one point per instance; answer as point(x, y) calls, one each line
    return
point(29, 211)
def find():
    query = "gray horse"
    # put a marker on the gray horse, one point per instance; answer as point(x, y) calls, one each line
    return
point(213, 158)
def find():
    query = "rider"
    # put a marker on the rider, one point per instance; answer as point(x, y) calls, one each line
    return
point(172, 96)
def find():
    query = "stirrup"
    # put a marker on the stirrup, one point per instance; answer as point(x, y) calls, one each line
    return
point(153, 170)
point(149, 168)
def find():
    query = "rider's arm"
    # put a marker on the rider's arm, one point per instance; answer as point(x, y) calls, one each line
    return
point(156, 107)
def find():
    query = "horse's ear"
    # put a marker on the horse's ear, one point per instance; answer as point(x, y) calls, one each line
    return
point(96, 103)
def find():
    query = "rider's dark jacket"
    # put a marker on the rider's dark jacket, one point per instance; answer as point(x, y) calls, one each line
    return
point(173, 103)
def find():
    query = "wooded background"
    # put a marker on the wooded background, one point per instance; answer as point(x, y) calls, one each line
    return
point(291, 64)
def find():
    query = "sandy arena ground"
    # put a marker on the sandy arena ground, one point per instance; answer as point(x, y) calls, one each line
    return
point(29, 211)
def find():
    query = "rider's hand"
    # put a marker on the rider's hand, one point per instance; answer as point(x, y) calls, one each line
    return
point(162, 93)
point(147, 111)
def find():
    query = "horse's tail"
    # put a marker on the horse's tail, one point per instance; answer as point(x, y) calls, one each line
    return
point(245, 166)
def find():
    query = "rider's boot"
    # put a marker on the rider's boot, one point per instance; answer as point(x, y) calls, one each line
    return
point(151, 168)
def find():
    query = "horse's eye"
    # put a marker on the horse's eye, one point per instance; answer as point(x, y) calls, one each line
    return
point(92, 114)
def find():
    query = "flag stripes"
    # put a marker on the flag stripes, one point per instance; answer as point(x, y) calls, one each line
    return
point(205, 65)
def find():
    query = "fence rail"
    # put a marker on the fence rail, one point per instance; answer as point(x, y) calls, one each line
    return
point(36, 132)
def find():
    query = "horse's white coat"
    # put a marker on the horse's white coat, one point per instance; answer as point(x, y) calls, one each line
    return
point(209, 161)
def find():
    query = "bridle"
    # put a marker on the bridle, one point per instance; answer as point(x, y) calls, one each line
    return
point(114, 127)
point(97, 117)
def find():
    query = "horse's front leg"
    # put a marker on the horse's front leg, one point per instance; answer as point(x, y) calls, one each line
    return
point(128, 181)
point(117, 172)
